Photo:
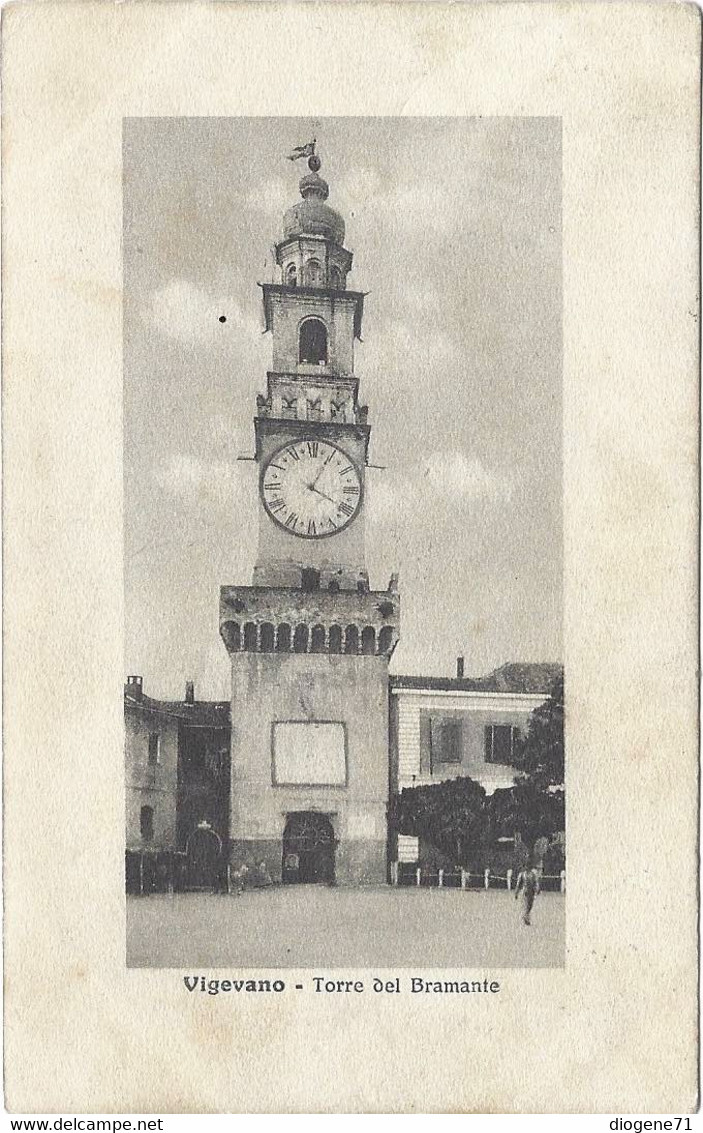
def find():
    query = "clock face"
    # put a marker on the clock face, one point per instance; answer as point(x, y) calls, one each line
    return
point(311, 488)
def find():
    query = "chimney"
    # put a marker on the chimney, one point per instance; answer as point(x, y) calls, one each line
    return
point(460, 668)
point(190, 692)
point(134, 687)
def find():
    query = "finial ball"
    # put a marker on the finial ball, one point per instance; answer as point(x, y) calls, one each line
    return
point(314, 163)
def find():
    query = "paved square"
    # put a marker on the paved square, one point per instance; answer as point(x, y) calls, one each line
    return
point(312, 926)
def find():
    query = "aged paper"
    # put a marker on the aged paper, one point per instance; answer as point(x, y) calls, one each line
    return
point(607, 1020)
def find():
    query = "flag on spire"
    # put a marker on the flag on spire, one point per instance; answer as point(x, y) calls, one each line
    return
point(308, 150)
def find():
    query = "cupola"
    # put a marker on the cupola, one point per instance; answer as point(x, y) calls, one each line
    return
point(311, 216)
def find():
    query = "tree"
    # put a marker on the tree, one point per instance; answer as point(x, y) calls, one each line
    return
point(542, 750)
point(452, 816)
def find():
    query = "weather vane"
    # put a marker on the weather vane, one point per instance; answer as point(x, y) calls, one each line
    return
point(308, 150)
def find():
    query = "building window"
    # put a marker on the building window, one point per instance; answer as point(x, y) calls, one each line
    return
point(445, 741)
point(146, 823)
point(153, 748)
point(313, 342)
point(310, 580)
point(500, 743)
point(336, 279)
point(292, 275)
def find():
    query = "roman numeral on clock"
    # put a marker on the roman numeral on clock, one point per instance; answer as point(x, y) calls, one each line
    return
point(344, 471)
point(276, 505)
point(274, 484)
point(345, 509)
point(312, 448)
point(312, 530)
point(293, 454)
point(350, 491)
point(291, 520)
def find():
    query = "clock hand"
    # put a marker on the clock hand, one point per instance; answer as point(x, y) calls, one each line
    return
point(319, 493)
point(322, 469)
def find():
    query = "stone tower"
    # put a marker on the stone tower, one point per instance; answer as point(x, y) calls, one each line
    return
point(309, 641)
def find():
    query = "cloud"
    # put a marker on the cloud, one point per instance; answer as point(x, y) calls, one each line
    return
point(223, 483)
point(466, 478)
point(416, 206)
point(190, 314)
point(438, 486)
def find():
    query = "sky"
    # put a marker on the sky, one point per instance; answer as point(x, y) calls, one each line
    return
point(455, 227)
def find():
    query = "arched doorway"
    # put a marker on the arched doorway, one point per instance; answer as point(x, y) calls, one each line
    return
point(203, 857)
point(308, 848)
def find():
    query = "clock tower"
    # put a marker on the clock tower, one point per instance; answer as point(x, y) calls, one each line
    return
point(309, 641)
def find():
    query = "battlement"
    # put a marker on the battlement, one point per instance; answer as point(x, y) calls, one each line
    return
point(280, 620)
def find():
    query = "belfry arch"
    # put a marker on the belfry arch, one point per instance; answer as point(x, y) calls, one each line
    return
point(312, 342)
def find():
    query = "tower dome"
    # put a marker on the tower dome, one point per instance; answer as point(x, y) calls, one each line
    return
point(311, 216)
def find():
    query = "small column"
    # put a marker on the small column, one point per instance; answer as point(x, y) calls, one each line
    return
point(440, 878)
point(485, 879)
point(509, 879)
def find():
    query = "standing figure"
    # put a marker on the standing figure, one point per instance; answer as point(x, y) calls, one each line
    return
point(529, 884)
point(238, 873)
point(521, 856)
point(538, 853)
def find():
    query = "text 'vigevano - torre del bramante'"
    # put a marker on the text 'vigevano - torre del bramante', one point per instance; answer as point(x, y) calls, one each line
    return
point(296, 771)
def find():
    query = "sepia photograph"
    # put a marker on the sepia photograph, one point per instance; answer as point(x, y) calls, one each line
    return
point(344, 697)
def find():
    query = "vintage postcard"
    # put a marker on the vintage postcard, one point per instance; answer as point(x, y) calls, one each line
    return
point(351, 505)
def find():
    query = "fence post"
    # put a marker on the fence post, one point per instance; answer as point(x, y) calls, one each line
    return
point(463, 879)
point(440, 878)
point(141, 874)
point(485, 879)
point(394, 873)
point(509, 879)
point(418, 874)
point(562, 881)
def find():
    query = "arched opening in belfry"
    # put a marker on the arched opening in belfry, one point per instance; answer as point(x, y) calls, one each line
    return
point(368, 641)
point(335, 639)
point(313, 342)
point(283, 638)
point(351, 640)
point(292, 275)
point(336, 279)
point(250, 638)
point(317, 641)
point(300, 639)
point(313, 273)
point(267, 637)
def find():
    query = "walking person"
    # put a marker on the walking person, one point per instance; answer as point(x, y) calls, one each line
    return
point(521, 857)
point(528, 884)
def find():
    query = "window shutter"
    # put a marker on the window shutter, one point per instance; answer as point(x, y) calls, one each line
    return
point(436, 726)
point(488, 742)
